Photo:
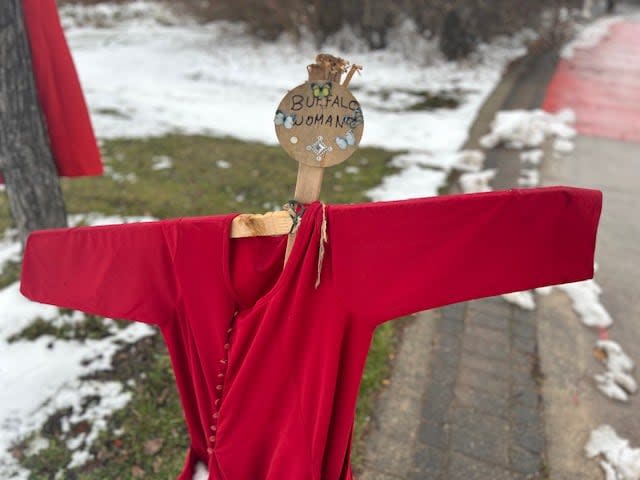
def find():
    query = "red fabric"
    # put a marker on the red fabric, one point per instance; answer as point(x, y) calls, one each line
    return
point(601, 85)
point(71, 136)
point(288, 380)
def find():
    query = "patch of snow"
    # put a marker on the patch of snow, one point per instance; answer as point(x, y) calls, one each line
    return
point(527, 128)
point(585, 297)
point(522, 299)
point(413, 181)
point(223, 164)
point(563, 146)
point(201, 473)
point(469, 160)
point(55, 366)
point(617, 382)
point(477, 181)
point(533, 157)
point(161, 162)
point(9, 251)
point(619, 456)
point(529, 177)
point(590, 36)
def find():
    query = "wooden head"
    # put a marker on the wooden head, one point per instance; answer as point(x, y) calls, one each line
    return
point(319, 123)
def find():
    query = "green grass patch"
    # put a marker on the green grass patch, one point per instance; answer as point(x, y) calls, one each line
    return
point(208, 176)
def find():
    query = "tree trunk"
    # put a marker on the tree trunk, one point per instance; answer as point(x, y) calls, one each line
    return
point(26, 162)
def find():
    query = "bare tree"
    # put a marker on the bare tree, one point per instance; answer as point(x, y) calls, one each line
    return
point(26, 161)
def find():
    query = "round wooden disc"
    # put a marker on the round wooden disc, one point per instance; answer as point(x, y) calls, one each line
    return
point(319, 123)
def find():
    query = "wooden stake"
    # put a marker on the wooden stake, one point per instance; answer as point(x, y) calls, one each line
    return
point(308, 186)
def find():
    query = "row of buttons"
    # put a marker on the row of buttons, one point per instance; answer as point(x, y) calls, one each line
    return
point(220, 386)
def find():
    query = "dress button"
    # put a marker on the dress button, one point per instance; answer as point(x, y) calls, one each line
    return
point(220, 375)
point(215, 415)
point(212, 438)
point(217, 401)
point(229, 330)
point(218, 387)
point(222, 360)
point(209, 450)
point(214, 428)
point(226, 346)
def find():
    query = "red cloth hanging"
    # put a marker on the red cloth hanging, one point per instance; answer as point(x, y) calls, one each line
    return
point(73, 142)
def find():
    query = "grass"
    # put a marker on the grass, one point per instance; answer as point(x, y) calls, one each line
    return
point(208, 176)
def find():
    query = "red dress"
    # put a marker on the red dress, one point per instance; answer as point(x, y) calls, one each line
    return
point(73, 143)
point(268, 366)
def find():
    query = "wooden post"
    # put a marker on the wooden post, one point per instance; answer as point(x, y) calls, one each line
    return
point(26, 161)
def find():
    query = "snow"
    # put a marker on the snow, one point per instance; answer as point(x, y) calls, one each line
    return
point(585, 297)
point(533, 157)
point(201, 473)
point(477, 182)
point(529, 177)
point(617, 382)
point(523, 300)
point(161, 162)
point(590, 36)
point(528, 128)
point(413, 181)
point(621, 461)
point(39, 377)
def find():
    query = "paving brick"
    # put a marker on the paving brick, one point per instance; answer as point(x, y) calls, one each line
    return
point(526, 414)
point(524, 329)
point(525, 344)
point(523, 361)
point(448, 342)
point(483, 402)
point(493, 367)
point(434, 433)
point(453, 326)
point(526, 395)
point(483, 381)
point(461, 467)
point(429, 462)
point(528, 436)
point(485, 349)
point(480, 436)
point(456, 310)
point(437, 400)
point(522, 315)
point(525, 462)
point(444, 359)
point(487, 334)
point(497, 321)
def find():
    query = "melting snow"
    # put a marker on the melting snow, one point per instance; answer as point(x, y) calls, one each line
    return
point(161, 162)
point(621, 461)
point(590, 36)
point(41, 376)
point(527, 128)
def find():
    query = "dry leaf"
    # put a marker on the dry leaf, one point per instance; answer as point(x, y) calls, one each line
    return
point(153, 446)
point(137, 472)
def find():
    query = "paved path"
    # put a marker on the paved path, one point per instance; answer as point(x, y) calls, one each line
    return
point(602, 85)
point(505, 393)
point(475, 412)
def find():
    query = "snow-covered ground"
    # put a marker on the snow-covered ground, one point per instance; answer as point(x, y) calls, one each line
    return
point(146, 72)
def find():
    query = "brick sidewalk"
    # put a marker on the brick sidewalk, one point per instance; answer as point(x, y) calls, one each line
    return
point(479, 414)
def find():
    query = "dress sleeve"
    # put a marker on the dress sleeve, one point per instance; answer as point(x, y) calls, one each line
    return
point(117, 271)
point(395, 258)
